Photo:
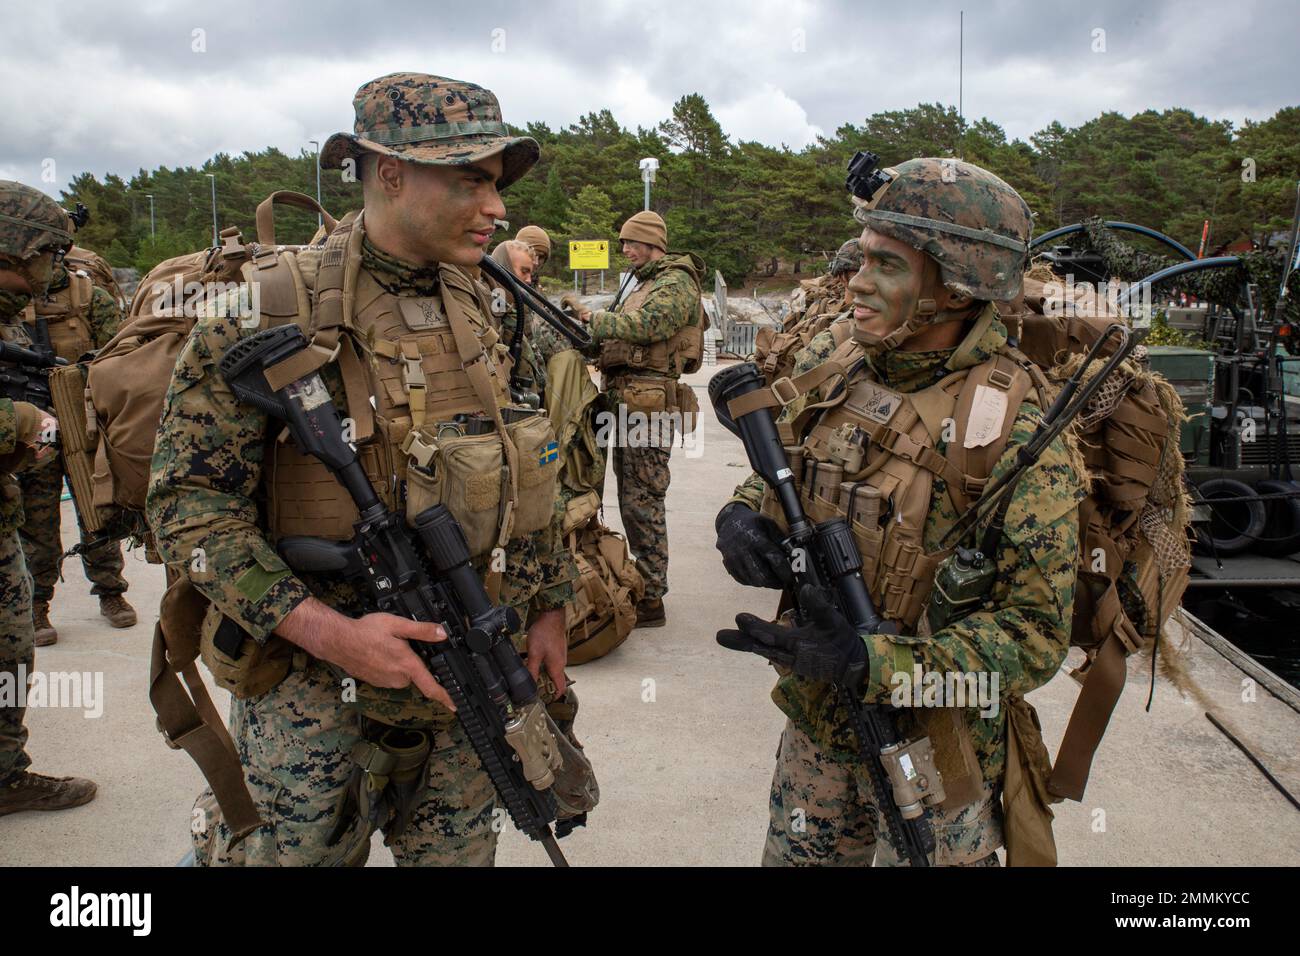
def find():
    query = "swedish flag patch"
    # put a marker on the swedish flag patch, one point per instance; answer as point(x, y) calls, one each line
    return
point(549, 453)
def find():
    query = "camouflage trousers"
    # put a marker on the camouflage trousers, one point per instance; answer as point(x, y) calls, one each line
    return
point(43, 544)
point(294, 743)
point(642, 476)
point(16, 649)
point(821, 813)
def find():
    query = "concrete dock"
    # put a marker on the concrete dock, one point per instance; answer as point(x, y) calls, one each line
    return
point(682, 734)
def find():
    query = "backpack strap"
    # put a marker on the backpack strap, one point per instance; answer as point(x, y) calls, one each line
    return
point(264, 217)
point(987, 407)
point(187, 718)
point(325, 322)
point(480, 368)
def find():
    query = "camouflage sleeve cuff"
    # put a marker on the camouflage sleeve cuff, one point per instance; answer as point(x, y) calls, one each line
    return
point(887, 655)
point(750, 492)
point(559, 572)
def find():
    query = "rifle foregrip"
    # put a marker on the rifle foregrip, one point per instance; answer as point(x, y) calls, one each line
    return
point(526, 818)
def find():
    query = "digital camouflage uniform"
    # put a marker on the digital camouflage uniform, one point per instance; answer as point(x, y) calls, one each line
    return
point(975, 228)
point(205, 493)
point(295, 739)
point(16, 634)
point(821, 806)
point(33, 228)
point(43, 487)
point(642, 473)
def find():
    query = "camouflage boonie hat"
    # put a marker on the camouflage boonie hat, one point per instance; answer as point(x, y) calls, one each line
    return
point(974, 225)
point(30, 221)
point(848, 258)
point(432, 120)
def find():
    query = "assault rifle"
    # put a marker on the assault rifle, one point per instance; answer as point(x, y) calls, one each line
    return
point(422, 574)
point(25, 374)
point(825, 555)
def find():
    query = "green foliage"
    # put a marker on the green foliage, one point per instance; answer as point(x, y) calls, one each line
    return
point(754, 210)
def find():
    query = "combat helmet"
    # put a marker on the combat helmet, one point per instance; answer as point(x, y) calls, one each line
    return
point(847, 258)
point(30, 222)
point(974, 225)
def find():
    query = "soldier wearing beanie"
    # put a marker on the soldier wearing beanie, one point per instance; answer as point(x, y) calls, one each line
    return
point(34, 232)
point(539, 242)
point(647, 340)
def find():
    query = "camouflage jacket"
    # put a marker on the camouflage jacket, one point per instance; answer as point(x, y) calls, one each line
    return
point(12, 457)
point(821, 296)
point(1021, 634)
point(672, 303)
point(206, 497)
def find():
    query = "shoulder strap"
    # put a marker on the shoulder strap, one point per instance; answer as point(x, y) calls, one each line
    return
point(995, 387)
point(479, 367)
point(326, 320)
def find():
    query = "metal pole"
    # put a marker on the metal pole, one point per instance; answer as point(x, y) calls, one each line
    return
point(961, 53)
point(320, 221)
point(212, 176)
point(153, 232)
point(647, 193)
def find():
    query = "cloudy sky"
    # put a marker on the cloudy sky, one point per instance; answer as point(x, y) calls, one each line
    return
point(114, 87)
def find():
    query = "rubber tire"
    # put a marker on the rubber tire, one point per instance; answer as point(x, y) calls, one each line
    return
point(1237, 538)
point(1283, 519)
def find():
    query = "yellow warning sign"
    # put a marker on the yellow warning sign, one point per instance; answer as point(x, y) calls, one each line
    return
point(589, 255)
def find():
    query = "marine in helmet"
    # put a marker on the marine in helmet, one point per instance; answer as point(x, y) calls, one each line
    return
point(79, 312)
point(828, 295)
point(933, 406)
point(34, 232)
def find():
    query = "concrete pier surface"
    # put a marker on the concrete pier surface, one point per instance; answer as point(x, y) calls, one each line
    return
point(683, 734)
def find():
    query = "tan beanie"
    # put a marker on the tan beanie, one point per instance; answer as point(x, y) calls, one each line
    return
point(647, 227)
point(537, 240)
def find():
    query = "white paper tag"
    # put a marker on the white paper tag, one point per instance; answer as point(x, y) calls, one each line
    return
point(987, 413)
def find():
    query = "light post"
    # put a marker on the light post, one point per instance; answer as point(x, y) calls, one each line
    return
point(320, 220)
point(648, 167)
point(153, 231)
point(212, 176)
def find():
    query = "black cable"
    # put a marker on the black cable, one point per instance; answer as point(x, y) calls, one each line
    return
point(1255, 760)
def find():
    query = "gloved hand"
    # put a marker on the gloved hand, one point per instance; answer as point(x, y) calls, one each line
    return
point(827, 648)
point(751, 548)
point(574, 305)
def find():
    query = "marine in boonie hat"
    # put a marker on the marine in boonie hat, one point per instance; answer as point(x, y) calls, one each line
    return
point(433, 120)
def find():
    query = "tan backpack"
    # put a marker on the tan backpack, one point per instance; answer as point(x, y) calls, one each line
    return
point(603, 612)
point(1134, 546)
point(98, 269)
point(109, 409)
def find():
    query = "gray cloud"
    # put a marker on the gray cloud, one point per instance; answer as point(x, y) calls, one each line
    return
point(114, 87)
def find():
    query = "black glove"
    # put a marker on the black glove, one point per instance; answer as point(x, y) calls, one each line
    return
point(751, 548)
point(827, 648)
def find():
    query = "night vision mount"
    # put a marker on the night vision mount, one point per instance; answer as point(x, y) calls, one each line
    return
point(865, 179)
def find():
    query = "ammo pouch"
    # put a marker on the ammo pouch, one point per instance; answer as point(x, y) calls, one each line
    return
point(467, 473)
point(387, 783)
point(252, 669)
point(647, 395)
